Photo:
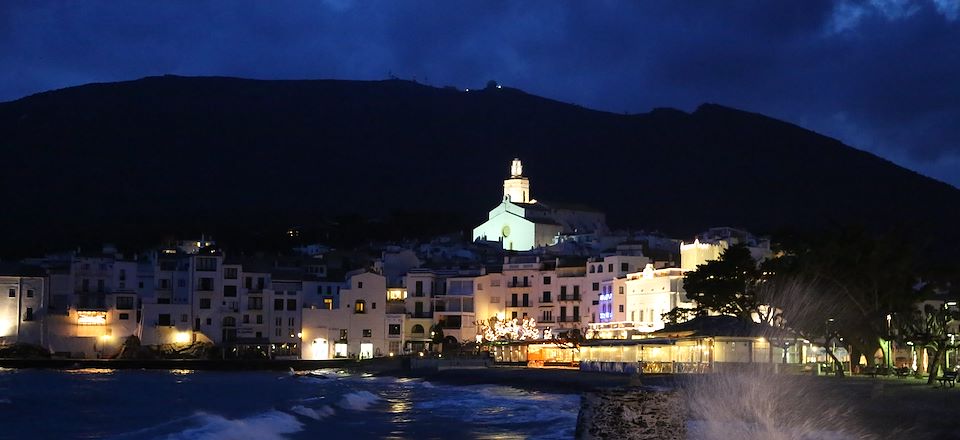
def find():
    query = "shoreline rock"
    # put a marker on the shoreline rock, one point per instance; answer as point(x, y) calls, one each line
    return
point(631, 414)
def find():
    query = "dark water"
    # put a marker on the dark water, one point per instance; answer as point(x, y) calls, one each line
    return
point(265, 405)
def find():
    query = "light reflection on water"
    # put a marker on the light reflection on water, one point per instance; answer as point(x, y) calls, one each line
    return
point(90, 371)
point(105, 403)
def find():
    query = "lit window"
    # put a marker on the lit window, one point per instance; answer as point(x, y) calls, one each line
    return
point(359, 306)
point(85, 317)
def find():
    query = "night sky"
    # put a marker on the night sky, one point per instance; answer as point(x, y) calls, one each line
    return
point(880, 75)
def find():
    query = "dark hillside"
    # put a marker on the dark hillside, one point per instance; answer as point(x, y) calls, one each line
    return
point(135, 160)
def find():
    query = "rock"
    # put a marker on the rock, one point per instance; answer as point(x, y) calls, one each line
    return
point(631, 414)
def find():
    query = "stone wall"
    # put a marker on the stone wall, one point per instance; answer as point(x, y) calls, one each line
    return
point(629, 414)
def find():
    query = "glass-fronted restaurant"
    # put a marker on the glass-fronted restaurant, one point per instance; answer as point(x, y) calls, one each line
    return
point(688, 355)
point(703, 345)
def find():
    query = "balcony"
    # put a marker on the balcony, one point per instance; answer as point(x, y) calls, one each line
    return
point(518, 304)
point(92, 302)
point(569, 319)
point(518, 284)
point(545, 319)
point(421, 315)
point(570, 297)
point(453, 307)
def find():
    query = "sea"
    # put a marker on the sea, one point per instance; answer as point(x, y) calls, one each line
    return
point(322, 404)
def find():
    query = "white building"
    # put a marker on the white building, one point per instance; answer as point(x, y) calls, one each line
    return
point(639, 301)
point(22, 293)
point(651, 293)
point(92, 303)
point(520, 222)
point(360, 328)
point(710, 244)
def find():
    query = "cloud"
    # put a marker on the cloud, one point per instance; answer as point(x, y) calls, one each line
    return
point(848, 14)
point(889, 66)
point(950, 9)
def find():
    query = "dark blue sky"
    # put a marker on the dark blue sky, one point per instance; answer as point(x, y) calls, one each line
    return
point(880, 75)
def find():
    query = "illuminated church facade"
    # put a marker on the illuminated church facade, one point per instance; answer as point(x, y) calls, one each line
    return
point(521, 223)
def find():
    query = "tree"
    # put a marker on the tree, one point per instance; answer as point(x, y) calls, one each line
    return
point(855, 281)
point(800, 305)
point(726, 286)
point(495, 329)
point(928, 328)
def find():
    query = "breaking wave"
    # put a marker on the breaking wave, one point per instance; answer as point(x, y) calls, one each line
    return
point(315, 414)
point(266, 426)
point(359, 400)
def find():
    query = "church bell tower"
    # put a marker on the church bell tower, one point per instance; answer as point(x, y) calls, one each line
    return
point(517, 188)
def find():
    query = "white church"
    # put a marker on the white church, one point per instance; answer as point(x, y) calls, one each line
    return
point(522, 223)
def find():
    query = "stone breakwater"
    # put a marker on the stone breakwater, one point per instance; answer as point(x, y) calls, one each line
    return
point(633, 413)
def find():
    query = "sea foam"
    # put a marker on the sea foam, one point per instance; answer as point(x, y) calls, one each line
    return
point(359, 400)
point(270, 425)
point(315, 414)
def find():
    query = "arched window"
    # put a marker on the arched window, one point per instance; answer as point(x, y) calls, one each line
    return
point(360, 306)
point(599, 268)
point(417, 329)
point(593, 268)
